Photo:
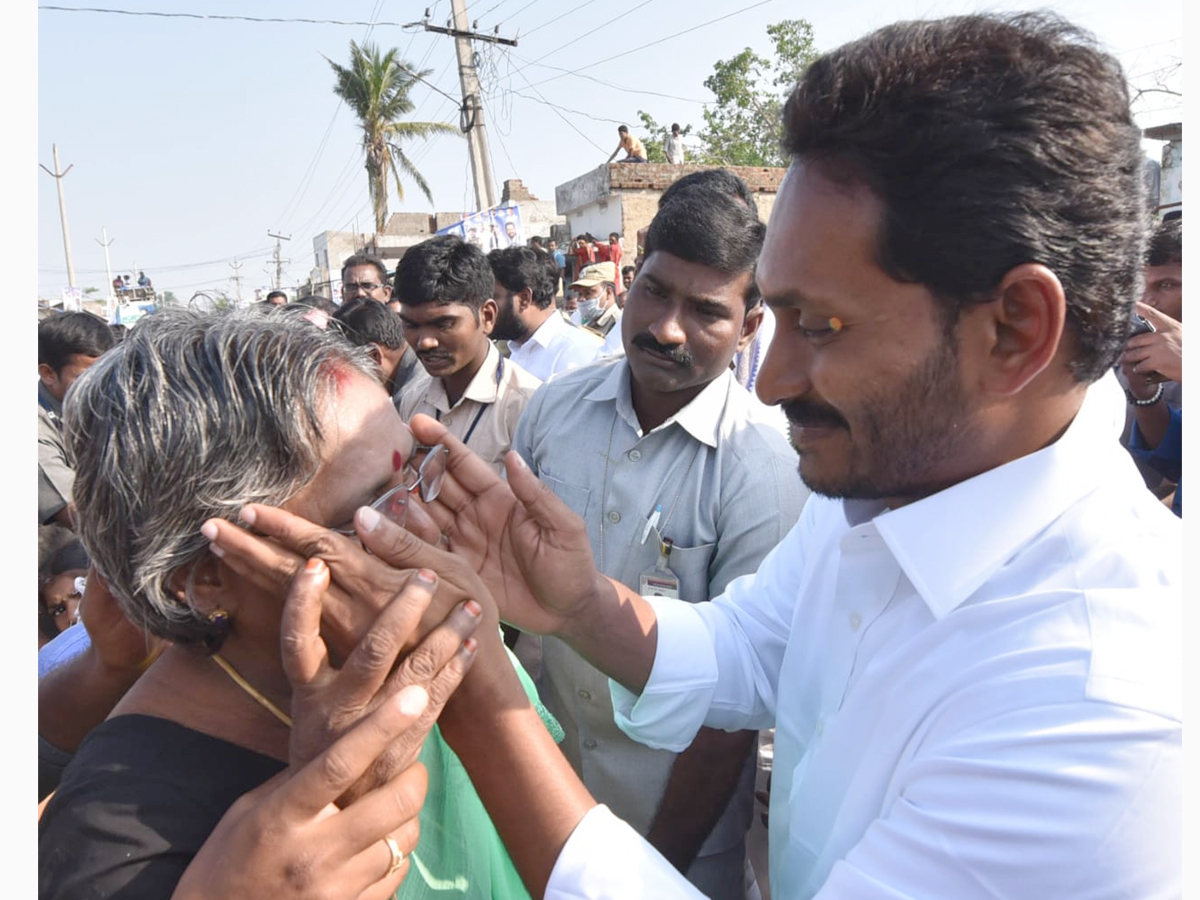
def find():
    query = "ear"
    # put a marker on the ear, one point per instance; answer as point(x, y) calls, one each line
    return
point(525, 299)
point(1021, 329)
point(47, 374)
point(750, 326)
point(376, 353)
point(487, 315)
point(208, 584)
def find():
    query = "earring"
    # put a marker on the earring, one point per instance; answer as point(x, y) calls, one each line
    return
point(219, 618)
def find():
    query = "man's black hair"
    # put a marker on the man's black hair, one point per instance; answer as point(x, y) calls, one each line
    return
point(715, 179)
point(1166, 243)
point(625, 269)
point(365, 321)
point(992, 141)
point(364, 259)
point(64, 335)
point(444, 269)
point(712, 228)
point(316, 301)
point(518, 268)
point(276, 294)
point(623, 129)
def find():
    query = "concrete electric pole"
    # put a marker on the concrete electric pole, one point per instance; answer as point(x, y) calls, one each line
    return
point(62, 213)
point(471, 118)
point(278, 258)
point(112, 297)
point(236, 278)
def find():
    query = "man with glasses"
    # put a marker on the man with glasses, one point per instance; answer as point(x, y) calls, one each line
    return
point(365, 276)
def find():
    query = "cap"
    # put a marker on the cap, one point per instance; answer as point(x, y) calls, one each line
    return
point(596, 273)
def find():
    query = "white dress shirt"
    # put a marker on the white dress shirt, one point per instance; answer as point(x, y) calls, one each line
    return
point(978, 695)
point(556, 346)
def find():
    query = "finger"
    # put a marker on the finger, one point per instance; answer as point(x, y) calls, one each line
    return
point(470, 472)
point(294, 532)
point(387, 810)
point(421, 523)
point(374, 658)
point(386, 887)
point(266, 564)
point(423, 664)
point(541, 503)
point(397, 546)
point(1157, 317)
point(301, 646)
point(324, 779)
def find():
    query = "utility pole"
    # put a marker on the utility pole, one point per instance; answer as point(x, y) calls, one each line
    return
point(471, 112)
point(237, 280)
point(278, 258)
point(62, 213)
point(112, 298)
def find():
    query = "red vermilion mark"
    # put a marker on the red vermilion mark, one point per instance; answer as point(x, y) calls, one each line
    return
point(397, 461)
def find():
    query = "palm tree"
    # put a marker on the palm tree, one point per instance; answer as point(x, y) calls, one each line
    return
point(376, 88)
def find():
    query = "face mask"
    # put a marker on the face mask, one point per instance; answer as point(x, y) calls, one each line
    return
point(588, 309)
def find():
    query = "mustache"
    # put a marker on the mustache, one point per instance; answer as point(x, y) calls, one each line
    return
point(806, 413)
point(681, 356)
point(433, 355)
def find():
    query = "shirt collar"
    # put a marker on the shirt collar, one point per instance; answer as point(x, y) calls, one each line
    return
point(700, 417)
point(545, 333)
point(951, 543)
point(48, 401)
point(483, 388)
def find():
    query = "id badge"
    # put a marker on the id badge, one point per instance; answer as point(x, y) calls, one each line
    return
point(660, 581)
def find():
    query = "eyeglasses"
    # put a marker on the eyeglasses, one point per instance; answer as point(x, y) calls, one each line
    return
point(393, 504)
point(365, 286)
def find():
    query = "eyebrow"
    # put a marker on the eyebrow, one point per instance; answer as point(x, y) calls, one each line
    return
point(700, 301)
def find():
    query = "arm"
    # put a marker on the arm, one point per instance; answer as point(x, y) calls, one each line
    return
point(614, 154)
point(1148, 359)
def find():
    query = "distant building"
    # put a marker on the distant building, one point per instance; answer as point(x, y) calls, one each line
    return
point(1170, 179)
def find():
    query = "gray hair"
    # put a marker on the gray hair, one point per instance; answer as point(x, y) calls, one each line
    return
point(192, 417)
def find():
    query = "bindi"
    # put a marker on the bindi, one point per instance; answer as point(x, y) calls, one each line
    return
point(397, 461)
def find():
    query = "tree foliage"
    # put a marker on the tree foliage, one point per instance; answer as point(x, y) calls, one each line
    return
point(376, 87)
point(744, 127)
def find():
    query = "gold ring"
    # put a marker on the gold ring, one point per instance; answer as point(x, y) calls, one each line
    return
point(397, 857)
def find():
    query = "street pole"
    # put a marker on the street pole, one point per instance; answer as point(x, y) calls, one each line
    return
point(111, 306)
point(278, 258)
point(237, 280)
point(471, 121)
point(62, 213)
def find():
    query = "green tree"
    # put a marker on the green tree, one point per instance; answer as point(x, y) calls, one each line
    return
point(376, 86)
point(744, 126)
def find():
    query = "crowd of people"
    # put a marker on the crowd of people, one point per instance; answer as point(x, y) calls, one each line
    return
point(484, 582)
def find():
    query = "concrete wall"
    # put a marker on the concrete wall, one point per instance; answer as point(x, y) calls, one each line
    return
point(582, 191)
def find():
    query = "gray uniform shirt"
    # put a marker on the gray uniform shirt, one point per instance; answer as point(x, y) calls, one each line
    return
point(726, 480)
point(55, 475)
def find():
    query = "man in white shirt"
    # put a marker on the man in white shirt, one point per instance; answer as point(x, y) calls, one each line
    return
point(673, 146)
point(970, 645)
point(541, 341)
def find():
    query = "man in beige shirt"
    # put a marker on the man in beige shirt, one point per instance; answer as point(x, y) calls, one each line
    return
point(445, 287)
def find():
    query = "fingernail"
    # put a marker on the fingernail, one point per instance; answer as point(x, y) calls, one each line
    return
point(468, 648)
point(521, 461)
point(427, 576)
point(216, 551)
point(247, 515)
point(314, 566)
point(368, 518)
point(209, 530)
point(413, 700)
point(473, 608)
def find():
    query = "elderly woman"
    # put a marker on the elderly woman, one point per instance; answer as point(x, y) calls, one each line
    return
point(192, 417)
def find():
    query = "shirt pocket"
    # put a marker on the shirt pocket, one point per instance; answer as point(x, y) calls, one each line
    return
point(576, 497)
point(690, 565)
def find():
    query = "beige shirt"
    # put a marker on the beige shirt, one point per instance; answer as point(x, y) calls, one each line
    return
point(485, 416)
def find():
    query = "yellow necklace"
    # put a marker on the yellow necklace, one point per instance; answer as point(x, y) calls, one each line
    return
point(249, 689)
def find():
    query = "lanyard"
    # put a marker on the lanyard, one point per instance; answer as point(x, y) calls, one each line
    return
point(483, 407)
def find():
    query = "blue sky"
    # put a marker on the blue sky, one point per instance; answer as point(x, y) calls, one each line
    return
point(191, 138)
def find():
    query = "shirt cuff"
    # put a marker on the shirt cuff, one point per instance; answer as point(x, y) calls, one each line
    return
point(605, 859)
point(673, 704)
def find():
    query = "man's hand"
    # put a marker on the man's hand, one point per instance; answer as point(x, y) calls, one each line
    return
point(1153, 356)
point(326, 701)
point(287, 839)
point(529, 548)
point(362, 585)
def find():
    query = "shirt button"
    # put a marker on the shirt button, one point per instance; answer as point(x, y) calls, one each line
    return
point(614, 517)
point(589, 744)
point(585, 695)
point(635, 455)
point(855, 621)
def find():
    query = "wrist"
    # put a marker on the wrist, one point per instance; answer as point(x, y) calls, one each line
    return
point(1137, 398)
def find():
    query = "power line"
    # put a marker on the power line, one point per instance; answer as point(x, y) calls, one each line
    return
point(616, 87)
point(214, 16)
point(559, 114)
point(669, 37)
point(563, 45)
point(573, 9)
point(517, 13)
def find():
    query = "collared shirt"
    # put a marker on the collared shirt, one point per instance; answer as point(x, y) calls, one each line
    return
point(728, 492)
point(975, 695)
point(56, 476)
point(556, 346)
point(407, 370)
point(485, 416)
